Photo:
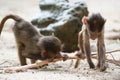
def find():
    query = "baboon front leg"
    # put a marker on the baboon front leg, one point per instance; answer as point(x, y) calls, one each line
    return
point(88, 55)
point(87, 50)
point(101, 54)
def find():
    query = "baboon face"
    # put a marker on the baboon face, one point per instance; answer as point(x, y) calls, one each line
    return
point(94, 24)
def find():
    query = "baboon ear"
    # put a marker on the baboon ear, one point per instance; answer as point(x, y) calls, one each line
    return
point(84, 20)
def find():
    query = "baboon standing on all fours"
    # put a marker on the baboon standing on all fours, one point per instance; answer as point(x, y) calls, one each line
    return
point(93, 28)
point(31, 44)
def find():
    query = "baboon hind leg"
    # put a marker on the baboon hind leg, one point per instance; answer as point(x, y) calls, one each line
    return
point(81, 51)
point(22, 59)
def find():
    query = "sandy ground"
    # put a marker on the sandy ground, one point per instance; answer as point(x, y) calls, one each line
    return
point(60, 70)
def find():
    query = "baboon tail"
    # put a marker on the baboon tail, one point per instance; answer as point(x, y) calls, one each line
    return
point(10, 16)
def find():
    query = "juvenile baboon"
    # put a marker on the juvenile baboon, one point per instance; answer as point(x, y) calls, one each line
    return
point(30, 43)
point(93, 28)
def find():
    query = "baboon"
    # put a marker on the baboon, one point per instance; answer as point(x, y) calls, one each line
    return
point(93, 28)
point(30, 43)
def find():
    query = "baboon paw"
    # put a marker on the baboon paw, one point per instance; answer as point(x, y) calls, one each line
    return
point(103, 67)
point(92, 66)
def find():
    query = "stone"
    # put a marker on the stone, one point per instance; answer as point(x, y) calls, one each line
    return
point(62, 18)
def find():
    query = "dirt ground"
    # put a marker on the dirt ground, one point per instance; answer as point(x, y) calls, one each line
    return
point(60, 70)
